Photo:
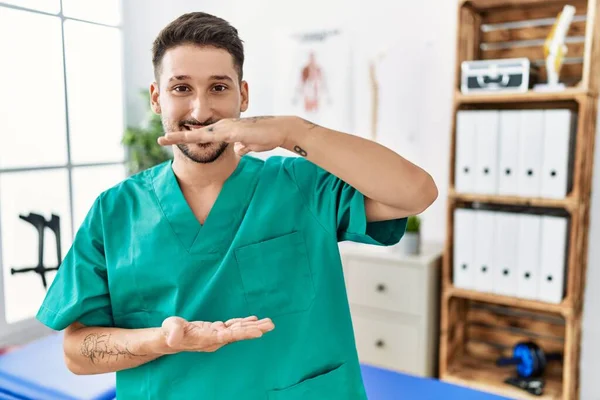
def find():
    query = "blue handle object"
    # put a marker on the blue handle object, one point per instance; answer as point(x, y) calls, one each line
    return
point(502, 362)
point(528, 363)
point(528, 359)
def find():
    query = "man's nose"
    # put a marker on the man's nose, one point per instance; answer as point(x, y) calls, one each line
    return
point(201, 108)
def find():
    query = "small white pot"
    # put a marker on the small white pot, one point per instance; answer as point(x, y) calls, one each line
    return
point(411, 243)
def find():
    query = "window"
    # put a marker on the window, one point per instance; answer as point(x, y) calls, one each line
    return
point(60, 131)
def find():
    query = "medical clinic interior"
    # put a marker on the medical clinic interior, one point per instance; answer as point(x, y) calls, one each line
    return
point(316, 200)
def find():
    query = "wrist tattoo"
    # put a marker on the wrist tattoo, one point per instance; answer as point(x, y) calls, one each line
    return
point(300, 151)
point(253, 119)
point(311, 125)
point(100, 348)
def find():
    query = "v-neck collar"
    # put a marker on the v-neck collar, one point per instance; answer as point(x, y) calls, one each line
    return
point(228, 207)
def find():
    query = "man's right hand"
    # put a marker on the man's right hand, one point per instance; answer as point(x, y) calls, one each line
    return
point(181, 335)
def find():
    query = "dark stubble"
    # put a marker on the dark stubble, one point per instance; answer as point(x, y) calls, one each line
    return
point(212, 151)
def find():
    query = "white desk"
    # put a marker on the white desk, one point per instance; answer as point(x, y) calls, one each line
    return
point(394, 299)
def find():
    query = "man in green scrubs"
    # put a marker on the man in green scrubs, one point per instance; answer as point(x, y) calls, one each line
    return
point(217, 275)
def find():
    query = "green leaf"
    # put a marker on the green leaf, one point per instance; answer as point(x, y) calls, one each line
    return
point(413, 224)
point(141, 143)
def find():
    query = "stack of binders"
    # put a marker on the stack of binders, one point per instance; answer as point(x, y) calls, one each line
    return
point(515, 152)
point(525, 153)
point(512, 254)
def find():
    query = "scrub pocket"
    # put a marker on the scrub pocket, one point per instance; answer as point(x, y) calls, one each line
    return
point(331, 385)
point(276, 276)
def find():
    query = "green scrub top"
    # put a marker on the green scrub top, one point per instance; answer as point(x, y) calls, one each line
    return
point(269, 247)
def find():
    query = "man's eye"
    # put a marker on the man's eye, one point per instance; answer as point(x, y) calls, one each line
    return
point(180, 88)
point(219, 88)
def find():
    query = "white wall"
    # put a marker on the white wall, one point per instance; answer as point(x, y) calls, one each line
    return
point(430, 42)
point(590, 346)
point(380, 24)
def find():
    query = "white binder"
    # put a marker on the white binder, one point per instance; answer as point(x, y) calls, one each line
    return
point(508, 157)
point(528, 256)
point(464, 248)
point(505, 254)
point(531, 139)
point(553, 259)
point(556, 150)
point(464, 178)
point(484, 250)
point(486, 152)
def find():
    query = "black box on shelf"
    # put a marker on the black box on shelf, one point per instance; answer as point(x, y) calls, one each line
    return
point(511, 75)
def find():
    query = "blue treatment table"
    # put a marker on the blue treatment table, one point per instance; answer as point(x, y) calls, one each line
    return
point(382, 384)
point(37, 371)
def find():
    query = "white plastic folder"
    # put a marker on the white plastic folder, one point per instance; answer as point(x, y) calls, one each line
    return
point(486, 151)
point(464, 181)
point(558, 129)
point(505, 253)
point(531, 140)
point(508, 157)
point(485, 242)
point(464, 248)
point(553, 259)
point(528, 256)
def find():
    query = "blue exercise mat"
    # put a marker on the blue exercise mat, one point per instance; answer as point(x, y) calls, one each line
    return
point(383, 384)
point(37, 371)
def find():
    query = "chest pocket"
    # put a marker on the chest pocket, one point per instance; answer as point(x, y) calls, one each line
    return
point(276, 275)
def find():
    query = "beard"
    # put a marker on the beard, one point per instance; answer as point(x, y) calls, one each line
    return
point(202, 153)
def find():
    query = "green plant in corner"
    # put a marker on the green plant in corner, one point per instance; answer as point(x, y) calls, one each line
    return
point(143, 150)
point(413, 224)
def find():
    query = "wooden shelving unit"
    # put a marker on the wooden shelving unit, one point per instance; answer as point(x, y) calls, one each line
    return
point(476, 328)
point(572, 94)
point(467, 371)
point(563, 308)
point(569, 203)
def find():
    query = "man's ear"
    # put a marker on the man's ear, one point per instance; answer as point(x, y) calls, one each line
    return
point(155, 98)
point(245, 96)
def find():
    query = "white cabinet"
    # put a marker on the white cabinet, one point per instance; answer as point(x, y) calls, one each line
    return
point(394, 302)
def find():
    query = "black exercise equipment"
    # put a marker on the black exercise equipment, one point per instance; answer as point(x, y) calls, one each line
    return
point(533, 386)
point(40, 224)
point(529, 358)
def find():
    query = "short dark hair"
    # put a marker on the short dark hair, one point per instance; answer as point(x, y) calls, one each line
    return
point(200, 29)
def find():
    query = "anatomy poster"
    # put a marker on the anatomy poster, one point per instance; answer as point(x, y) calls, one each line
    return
point(314, 77)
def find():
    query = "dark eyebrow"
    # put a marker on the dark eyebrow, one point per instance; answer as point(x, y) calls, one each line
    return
point(221, 78)
point(180, 78)
point(211, 78)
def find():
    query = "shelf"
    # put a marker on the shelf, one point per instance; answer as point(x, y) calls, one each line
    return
point(568, 203)
point(477, 327)
point(563, 309)
point(486, 376)
point(572, 94)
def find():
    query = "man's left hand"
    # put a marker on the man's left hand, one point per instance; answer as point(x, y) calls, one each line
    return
point(248, 134)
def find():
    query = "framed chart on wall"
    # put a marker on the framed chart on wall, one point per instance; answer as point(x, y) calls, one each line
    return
point(314, 77)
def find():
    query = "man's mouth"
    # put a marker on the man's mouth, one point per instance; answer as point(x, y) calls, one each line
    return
point(189, 127)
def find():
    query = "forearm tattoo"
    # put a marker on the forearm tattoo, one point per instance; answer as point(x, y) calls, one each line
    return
point(100, 348)
point(253, 120)
point(311, 125)
point(300, 151)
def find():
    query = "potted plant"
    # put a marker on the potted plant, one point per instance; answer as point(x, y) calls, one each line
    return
point(411, 242)
point(141, 142)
